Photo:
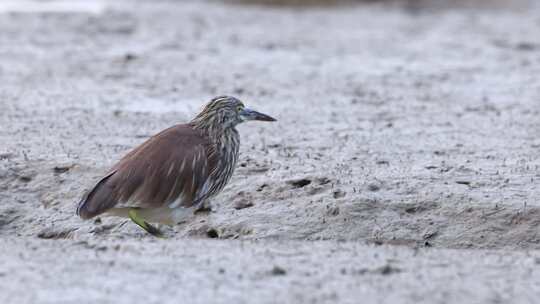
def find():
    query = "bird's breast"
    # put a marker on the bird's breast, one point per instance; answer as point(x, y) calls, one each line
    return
point(227, 149)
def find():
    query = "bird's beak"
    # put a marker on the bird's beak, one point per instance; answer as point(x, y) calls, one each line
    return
point(248, 114)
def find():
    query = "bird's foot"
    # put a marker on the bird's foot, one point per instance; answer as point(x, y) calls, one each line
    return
point(204, 207)
point(144, 224)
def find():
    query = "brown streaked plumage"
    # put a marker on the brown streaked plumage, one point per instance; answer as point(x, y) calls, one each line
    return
point(180, 167)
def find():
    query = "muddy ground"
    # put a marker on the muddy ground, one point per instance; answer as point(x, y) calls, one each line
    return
point(404, 167)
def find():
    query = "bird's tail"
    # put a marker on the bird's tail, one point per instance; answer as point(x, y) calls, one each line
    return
point(97, 200)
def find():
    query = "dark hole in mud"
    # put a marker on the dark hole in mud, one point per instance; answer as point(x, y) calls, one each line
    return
point(299, 183)
point(339, 194)
point(212, 233)
point(415, 209)
point(374, 187)
point(25, 178)
point(387, 269)
point(278, 271)
point(6, 155)
point(261, 188)
point(323, 180)
point(527, 46)
point(129, 57)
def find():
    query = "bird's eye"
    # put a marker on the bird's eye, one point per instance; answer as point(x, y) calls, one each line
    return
point(239, 108)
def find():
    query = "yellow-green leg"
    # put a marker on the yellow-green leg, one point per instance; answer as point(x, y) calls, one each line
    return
point(134, 216)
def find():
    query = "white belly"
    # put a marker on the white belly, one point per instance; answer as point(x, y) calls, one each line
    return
point(163, 215)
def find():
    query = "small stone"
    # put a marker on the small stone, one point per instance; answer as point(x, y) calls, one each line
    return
point(62, 169)
point(51, 233)
point(242, 204)
point(428, 234)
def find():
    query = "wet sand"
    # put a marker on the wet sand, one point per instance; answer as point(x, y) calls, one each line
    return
point(403, 168)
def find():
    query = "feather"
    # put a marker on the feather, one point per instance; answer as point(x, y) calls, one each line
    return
point(134, 182)
point(180, 167)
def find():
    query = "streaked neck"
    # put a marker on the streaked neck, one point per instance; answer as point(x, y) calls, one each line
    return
point(214, 129)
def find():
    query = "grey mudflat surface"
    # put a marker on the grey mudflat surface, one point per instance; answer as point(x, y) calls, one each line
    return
point(398, 125)
point(232, 271)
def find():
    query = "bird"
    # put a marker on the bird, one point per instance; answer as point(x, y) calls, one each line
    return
point(166, 178)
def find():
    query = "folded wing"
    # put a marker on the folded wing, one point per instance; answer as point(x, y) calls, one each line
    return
point(169, 169)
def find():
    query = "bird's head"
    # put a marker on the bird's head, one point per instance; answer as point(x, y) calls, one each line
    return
point(226, 112)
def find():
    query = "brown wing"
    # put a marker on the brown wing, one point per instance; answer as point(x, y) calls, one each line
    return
point(170, 166)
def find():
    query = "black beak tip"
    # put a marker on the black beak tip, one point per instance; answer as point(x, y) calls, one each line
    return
point(264, 117)
point(254, 115)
